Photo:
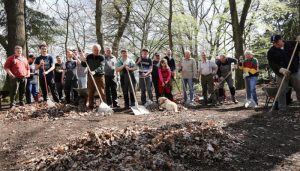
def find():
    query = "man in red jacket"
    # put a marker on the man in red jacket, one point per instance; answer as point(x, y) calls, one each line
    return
point(18, 69)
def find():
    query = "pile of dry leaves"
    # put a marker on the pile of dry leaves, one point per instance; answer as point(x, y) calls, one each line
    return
point(41, 110)
point(185, 146)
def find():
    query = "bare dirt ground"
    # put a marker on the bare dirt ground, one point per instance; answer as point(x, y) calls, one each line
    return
point(266, 141)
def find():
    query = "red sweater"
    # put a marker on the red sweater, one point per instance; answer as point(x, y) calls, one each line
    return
point(18, 66)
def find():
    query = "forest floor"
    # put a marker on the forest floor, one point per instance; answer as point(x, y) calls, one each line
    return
point(263, 141)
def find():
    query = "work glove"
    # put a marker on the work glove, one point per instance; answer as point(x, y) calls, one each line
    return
point(221, 79)
point(298, 39)
point(93, 72)
point(245, 74)
point(284, 71)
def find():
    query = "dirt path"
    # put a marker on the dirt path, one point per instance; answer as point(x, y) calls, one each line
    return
point(269, 142)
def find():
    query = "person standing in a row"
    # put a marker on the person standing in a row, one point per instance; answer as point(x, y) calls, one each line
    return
point(32, 81)
point(207, 70)
point(145, 68)
point(45, 64)
point(111, 78)
point(69, 78)
point(96, 62)
point(18, 69)
point(58, 76)
point(126, 67)
point(188, 69)
point(154, 74)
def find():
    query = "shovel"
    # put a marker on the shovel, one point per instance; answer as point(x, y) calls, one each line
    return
point(103, 107)
point(136, 109)
point(49, 102)
point(283, 79)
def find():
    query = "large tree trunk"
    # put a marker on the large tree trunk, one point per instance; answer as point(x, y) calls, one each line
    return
point(15, 25)
point(170, 24)
point(99, 26)
point(15, 29)
point(122, 24)
point(238, 31)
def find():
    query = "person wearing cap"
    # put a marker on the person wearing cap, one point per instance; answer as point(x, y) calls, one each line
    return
point(225, 75)
point(31, 86)
point(111, 78)
point(124, 66)
point(154, 74)
point(45, 64)
point(18, 70)
point(250, 69)
point(145, 68)
point(279, 56)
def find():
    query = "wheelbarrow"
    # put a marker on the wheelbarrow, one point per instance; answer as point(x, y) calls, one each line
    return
point(270, 92)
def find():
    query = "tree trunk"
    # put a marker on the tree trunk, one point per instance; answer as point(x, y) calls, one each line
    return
point(15, 25)
point(99, 26)
point(238, 31)
point(121, 26)
point(170, 24)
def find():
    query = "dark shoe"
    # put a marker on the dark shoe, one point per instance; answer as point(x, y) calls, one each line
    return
point(126, 107)
point(22, 104)
point(234, 100)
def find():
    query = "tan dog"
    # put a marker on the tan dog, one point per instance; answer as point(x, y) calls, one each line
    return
point(167, 104)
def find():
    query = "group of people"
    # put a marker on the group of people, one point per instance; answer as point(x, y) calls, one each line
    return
point(28, 75)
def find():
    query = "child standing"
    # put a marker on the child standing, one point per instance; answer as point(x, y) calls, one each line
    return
point(164, 84)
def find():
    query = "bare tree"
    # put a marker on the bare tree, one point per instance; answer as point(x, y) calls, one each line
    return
point(238, 27)
point(99, 25)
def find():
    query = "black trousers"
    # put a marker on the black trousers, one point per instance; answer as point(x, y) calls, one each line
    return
point(69, 88)
point(17, 85)
point(59, 88)
point(127, 90)
point(111, 90)
point(155, 84)
point(51, 86)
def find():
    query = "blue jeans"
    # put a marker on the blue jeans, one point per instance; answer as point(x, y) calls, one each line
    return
point(31, 89)
point(251, 88)
point(188, 83)
point(143, 83)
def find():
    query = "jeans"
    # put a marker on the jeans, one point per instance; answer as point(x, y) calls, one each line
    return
point(251, 88)
point(143, 83)
point(31, 89)
point(111, 90)
point(82, 82)
point(17, 84)
point(188, 82)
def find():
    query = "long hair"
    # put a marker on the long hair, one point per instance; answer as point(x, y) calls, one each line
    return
point(163, 61)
